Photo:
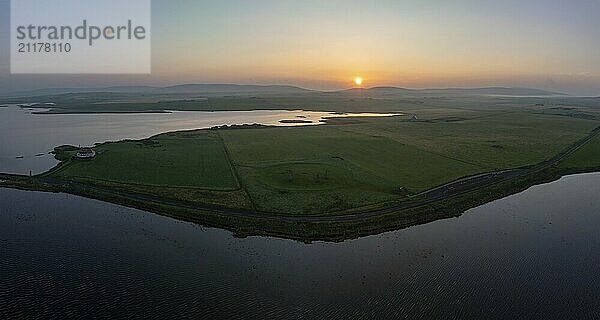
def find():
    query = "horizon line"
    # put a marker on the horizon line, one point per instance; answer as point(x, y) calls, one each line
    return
point(290, 86)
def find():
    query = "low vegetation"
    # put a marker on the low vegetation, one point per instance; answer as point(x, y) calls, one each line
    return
point(586, 157)
point(349, 177)
point(178, 160)
point(330, 169)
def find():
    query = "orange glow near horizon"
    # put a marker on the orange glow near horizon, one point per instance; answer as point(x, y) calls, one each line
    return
point(328, 45)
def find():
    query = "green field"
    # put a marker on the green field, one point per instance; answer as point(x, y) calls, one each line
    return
point(586, 157)
point(325, 168)
point(186, 160)
point(344, 165)
point(488, 140)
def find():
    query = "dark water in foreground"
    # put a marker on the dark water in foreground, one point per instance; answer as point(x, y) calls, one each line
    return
point(531, 255)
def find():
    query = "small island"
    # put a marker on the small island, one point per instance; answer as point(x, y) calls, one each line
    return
point(298, 121)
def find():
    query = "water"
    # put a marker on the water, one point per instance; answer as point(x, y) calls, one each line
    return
point(534, 255)
point(26, 138)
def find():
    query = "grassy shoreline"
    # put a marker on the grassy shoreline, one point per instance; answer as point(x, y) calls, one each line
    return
point(342, 180)
point(309, 228)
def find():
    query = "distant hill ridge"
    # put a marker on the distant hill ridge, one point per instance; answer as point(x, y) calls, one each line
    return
point(283, 89)
point(504, 91)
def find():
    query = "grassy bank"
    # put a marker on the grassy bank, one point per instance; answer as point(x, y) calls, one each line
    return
point(586, 157)
point(244, 223)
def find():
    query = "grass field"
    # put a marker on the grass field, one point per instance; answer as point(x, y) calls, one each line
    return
point(490, 141)
point(185, 159)
point(344, 165)
point(340, 168)
point(586, 157)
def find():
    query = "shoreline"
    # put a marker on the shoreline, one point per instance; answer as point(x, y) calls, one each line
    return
point(444, 201)
point(303, 228)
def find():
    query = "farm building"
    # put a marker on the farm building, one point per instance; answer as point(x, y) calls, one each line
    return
point(86, 153)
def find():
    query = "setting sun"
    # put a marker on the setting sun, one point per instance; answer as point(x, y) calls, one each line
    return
point(358, 81)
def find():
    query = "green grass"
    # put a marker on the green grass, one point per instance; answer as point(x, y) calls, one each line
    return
point(586, 157)
point(323, 168)
point(493, 141)
point(344, 165)
point(186, 159)
point(380, 158)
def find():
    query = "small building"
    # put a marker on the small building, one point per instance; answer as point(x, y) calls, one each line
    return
point(85, 153)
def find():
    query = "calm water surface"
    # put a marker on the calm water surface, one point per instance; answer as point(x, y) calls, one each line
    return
point(26, 138)
point(534, 255)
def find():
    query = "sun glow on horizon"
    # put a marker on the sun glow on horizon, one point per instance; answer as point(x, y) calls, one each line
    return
point(358, 81)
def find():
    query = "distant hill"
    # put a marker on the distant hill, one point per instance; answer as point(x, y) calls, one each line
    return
point(57, 91)
point(235, 89)
point(500, 91)
point(191, 89)
point(229, 88)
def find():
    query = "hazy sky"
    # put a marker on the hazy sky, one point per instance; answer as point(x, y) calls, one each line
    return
point(324, 44)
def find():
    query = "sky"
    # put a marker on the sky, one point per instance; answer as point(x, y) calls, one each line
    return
point(325, 44)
